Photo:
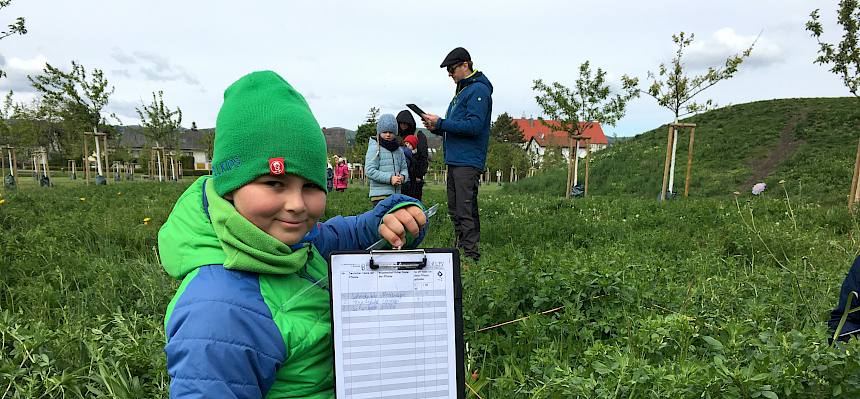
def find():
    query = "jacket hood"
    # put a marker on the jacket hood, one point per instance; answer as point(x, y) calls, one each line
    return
point(406, 117)
point(477, 77)
point(187, 240)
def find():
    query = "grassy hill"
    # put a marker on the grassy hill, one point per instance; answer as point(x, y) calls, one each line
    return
point(809, 142)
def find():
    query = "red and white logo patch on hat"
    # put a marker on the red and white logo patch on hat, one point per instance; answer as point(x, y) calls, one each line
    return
point(276, 166)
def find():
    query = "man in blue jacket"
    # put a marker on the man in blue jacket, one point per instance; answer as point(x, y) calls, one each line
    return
point(465, 132)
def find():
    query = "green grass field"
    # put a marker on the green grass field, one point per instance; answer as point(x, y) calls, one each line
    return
point(697, 298)
point(714, 296)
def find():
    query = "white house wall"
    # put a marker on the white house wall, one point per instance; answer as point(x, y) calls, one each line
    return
point(537, 151)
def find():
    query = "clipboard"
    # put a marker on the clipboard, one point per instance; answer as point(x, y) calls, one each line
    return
point(397, 324)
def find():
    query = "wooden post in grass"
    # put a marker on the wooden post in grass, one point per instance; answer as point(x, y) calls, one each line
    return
point(670, 143)
point(105, 151)
point(852, 196)
point(86, 160)
point(689, 161)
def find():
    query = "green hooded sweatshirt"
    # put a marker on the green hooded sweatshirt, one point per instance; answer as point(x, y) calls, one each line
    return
point(251, 316)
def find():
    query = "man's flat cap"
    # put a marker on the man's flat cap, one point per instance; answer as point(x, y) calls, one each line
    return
point(456, 56)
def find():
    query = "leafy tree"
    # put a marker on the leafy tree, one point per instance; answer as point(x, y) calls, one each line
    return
point(505, 130)
point(552, 157)
point(502, 156)
point(844, 57)
point(364, 132)
point(6, 136)
point(674, 89)
point(160, 123)
point(27, 126)
point(76, 99)
point(209, 141)
point(576, 110)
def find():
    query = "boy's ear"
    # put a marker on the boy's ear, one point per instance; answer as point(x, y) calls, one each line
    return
point(229, 196)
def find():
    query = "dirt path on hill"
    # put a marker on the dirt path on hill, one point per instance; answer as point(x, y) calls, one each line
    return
point(762, 167)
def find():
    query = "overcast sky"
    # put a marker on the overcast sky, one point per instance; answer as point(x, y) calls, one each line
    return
point(347, 56)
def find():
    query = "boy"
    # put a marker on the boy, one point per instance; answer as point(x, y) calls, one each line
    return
point(410, 145)
point(385, 162)
point(251, 318)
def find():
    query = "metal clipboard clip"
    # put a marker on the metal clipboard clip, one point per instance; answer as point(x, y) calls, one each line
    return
point(419, 263)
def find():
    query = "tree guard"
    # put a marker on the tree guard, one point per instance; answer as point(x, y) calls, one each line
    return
point(158, 163)
point(44, 178)
point(10, 180)
point(101, 148)
point(667, 190)
point(573, 157)
point(72, 169)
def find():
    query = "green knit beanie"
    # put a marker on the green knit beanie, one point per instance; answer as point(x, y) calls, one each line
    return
point(266, 127)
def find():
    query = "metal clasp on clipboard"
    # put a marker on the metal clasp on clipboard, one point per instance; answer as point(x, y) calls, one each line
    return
point(417, 264)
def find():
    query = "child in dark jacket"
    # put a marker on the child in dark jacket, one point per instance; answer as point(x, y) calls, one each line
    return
point(251, 318)
point(849, 292)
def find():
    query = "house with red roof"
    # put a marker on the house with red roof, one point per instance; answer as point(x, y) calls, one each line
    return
point(538, 137)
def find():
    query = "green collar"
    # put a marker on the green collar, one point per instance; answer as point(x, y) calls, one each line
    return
point(247, 247)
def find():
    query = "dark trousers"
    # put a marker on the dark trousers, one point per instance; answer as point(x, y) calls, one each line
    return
point(414, 189)
point(463, 208)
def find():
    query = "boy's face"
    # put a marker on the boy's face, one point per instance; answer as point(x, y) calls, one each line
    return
point(387, 136)
point(409, 146)
point(285, 207)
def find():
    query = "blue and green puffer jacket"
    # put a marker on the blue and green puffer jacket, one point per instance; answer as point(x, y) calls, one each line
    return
point(252, 322)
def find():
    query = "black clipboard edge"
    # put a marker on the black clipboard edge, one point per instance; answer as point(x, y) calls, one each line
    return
point(459, 340)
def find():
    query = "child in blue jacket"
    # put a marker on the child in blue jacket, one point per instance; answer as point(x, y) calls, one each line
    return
point(385, 163)
point(251, 318)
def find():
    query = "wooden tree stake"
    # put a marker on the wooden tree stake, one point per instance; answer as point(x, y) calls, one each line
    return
point(852, 196)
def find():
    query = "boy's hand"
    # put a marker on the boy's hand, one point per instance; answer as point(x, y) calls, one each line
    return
point(395, 225)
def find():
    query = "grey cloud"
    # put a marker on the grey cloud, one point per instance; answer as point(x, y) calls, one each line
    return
point(121, 72)
point(122, 57)
point(17, 71)
point(124, 109)
point(158, 68)
point(16, 81)
point(152, 66)
point(724, 43)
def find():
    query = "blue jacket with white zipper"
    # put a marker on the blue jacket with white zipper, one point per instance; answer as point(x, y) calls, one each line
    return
point(466, 126)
